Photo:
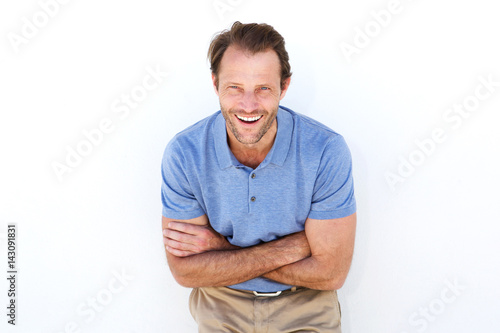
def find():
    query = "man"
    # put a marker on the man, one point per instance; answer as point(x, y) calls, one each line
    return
point(258, 201)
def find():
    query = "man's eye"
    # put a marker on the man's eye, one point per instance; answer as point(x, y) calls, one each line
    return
point(233, 87)
point(264, 88)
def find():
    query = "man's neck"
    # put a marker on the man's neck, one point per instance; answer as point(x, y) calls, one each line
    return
point(252, 155)
point(250, 158)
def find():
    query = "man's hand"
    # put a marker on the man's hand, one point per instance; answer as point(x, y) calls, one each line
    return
point(185, 239)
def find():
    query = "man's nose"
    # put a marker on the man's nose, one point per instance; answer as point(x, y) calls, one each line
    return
point(248, 102)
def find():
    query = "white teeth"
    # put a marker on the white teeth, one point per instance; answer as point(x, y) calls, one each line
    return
point(249, 119)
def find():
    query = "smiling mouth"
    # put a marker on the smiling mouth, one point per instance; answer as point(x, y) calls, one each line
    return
point(249, 119)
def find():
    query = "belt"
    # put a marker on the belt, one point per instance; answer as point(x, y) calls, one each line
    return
point(271, 294)
point(267, 294)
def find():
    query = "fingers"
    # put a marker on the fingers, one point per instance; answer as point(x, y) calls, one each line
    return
point(198, 235)
point(186, 239)
point(178, 236)
point(179, 253)
point(180, 241)
point(175, 248)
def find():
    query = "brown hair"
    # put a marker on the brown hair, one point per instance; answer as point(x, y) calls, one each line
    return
point(252, 37)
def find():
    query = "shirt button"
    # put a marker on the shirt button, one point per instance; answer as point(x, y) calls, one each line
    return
point(253, 199)
point(253, 175)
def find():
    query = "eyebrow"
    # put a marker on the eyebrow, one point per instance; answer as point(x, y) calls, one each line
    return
point(241, 84)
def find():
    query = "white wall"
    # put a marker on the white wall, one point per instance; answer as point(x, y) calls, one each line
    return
point(426, 256)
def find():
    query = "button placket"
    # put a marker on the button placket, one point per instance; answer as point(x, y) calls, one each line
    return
point(251, 187)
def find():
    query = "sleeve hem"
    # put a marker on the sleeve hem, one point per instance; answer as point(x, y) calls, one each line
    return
point(182, 215)
point(334, 214)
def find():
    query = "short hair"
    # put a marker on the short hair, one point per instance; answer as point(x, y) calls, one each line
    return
point(251, 37)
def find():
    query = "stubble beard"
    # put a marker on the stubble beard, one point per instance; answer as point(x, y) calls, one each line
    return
point(229, 116)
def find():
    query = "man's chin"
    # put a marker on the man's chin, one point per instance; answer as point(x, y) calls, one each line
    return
point(246, 140)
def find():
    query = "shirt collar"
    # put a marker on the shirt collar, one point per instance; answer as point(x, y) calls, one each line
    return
point(278, 153)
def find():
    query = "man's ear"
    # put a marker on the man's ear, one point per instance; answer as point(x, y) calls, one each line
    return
point(284, 87)
point(215, 83)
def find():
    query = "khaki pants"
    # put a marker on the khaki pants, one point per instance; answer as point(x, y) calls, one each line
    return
point(223, 309)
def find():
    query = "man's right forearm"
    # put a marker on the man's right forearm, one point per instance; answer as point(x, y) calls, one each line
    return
point(223, 268)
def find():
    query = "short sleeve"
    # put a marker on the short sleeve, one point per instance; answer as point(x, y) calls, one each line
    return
point(333, 195)
point(177, 196)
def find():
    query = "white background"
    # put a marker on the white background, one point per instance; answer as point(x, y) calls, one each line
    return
point(435, 228)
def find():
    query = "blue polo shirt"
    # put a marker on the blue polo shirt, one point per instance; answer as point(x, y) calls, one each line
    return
point(307, 173)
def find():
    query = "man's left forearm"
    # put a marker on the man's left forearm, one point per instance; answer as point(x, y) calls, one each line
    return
point(311, 273)
point(332, 247)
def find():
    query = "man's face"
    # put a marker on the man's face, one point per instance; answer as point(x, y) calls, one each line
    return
point(249, 92)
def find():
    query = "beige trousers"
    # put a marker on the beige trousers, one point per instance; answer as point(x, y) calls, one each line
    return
point(221, 309)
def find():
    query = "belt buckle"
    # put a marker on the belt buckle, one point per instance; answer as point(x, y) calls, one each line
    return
point(267, 294)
